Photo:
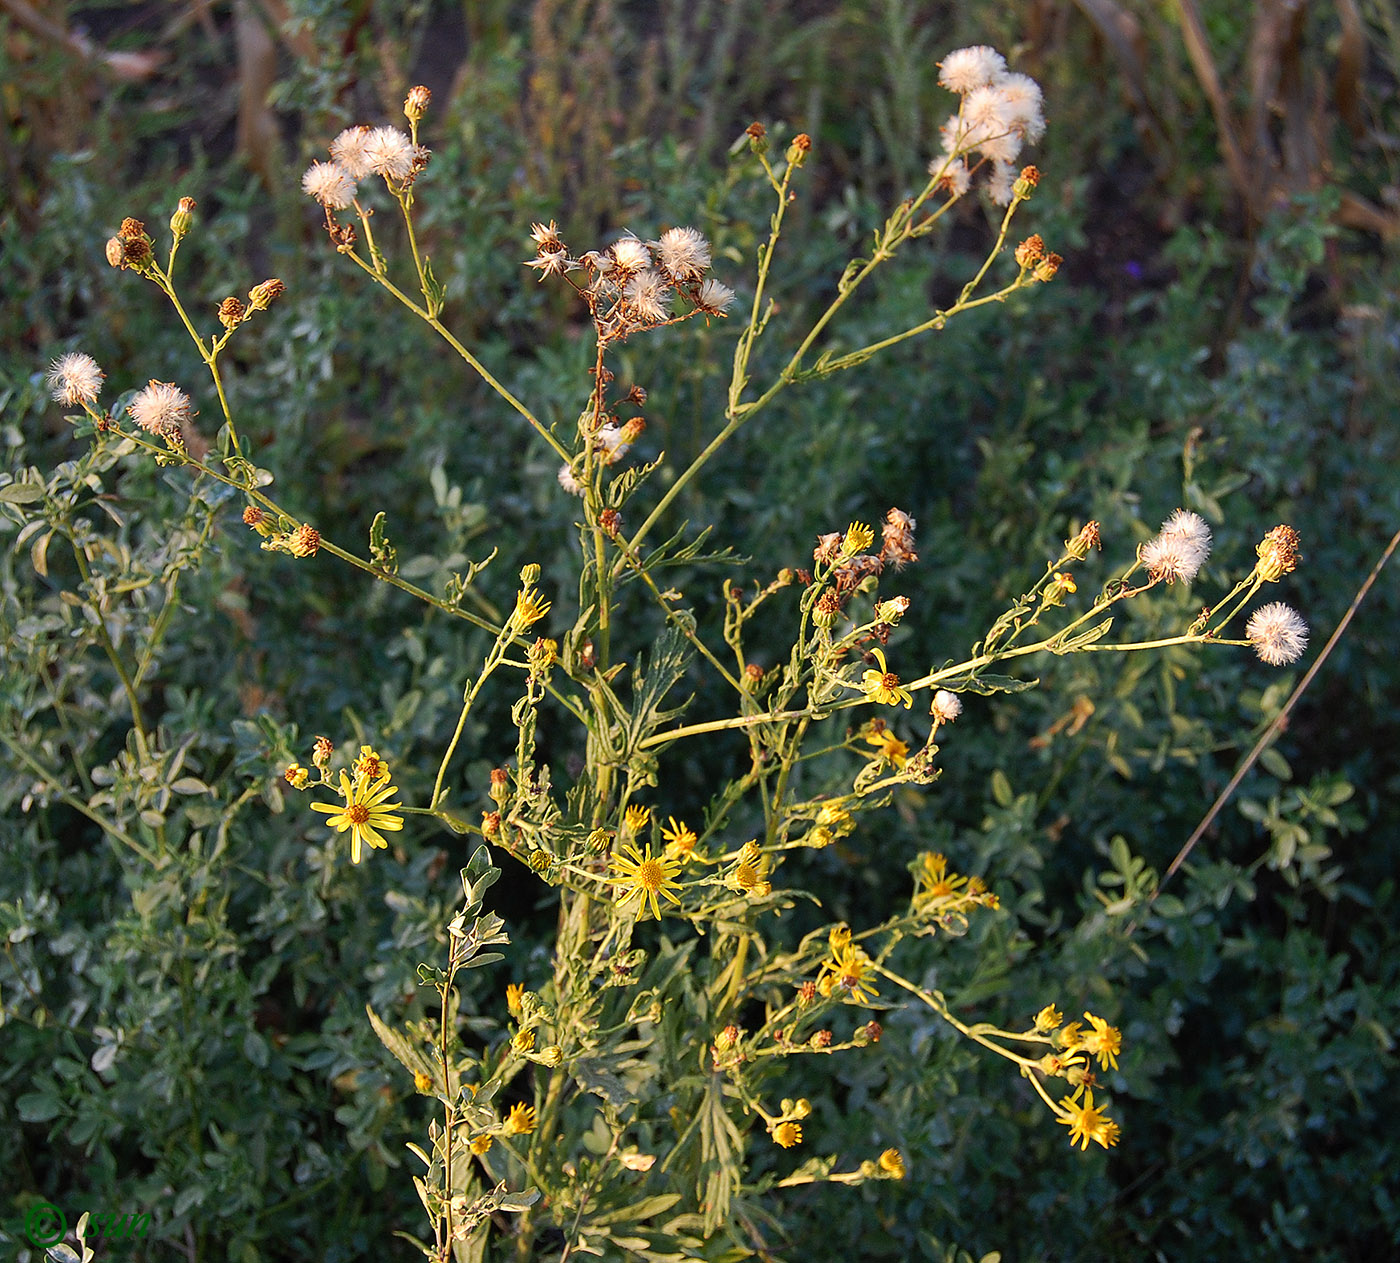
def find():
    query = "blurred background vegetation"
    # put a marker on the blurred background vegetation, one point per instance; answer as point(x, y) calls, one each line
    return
point(1224, 183)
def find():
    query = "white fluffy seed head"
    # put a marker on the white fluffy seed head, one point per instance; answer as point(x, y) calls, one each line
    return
point(1278, 633)
point(630, 255)
point(647, 294)
point(946, 706)
point(714, 297)
point(683, 255)
point(75, 378)
point(161, 408)
point(350, 150)
point(330, 184)
point(390, 153)
point(1179, 550)
point(966, 69)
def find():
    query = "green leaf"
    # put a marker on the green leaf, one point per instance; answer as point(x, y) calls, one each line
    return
point(408, 1054)
point(38, 1107)
point(643, 1209)
point(21, 493)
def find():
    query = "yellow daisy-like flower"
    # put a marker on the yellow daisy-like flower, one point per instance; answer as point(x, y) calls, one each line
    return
point(369, 766)
point(939, 887)
point(680, 838)
point(787, 1134)
point(892, 1163)
point(297, 776)
point(365, 813)
point(1071, 1036)
point(530, 607)
point(883, 685)
point(889, 747)
point(646, 875)
point(635, 818)
point(857, 539)
point(849, 972)
point(423, 1082)
point(1104, 1041)
point(514, 990)
point(481, 1145)
point(521, 1120)
point(1086, 1123)
point(1048, 1018)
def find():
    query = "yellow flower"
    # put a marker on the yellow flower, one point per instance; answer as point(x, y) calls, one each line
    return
point(1086, 1123)
point(787, 1134)
point(940, 888)
point(646, 875)
point(1104, 1041)
point(423, 1082)
point(883, 685)
point(635, 818)
point(297, 776)
point(680, 838)
point(523, 1041)
point(520, 1121)
point(481, 1144)
point(889, 747)
point(857, 539)
point(369, 766)
point(835, 816)
point(530, 607)
point(365, 813)
point(1048, 1018)
point(1070, 1036)
point(514, 990)
point(849, 971)
point(892, 1163)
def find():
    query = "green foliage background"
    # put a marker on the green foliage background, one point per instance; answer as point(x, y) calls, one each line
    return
point(191, 1041)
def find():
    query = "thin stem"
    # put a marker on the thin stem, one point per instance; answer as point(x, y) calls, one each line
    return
point(477, 365)
point(77, 803)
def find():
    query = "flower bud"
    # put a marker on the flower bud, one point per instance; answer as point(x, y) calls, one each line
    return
point(261, 297)
point(304, 541)
point(231, 313)
point(1030, 251)
point(530, 575)
point(551, 1055)
point(1278, 553)
point(799, 149)
point(183, 217)
point(758, 137)
point(1088, 537)
point(416, 103)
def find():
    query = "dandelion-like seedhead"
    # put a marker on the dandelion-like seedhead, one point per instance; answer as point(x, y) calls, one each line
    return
point(330, 184)
point(1001, 111)
point(1179, 550)
point(161, 408)
point(350, 151)
point(1278, 633)
point(75, 378)
point(390, 153)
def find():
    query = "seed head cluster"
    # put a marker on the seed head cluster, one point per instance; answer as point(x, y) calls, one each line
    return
point(1000, 112)
point(1179, 550)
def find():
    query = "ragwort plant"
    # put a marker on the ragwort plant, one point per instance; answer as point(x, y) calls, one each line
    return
point(620, 1109)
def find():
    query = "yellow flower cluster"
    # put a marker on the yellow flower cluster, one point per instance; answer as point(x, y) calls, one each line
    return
point(365, 810)
point(938, 892)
